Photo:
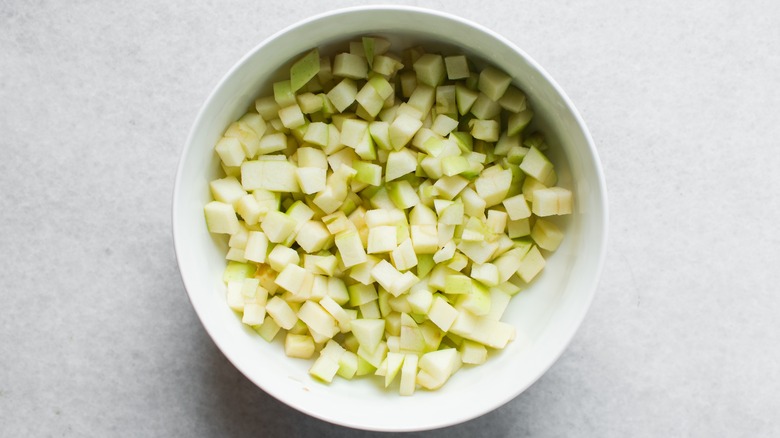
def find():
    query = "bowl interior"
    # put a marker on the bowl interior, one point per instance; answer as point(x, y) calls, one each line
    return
point(546, 315)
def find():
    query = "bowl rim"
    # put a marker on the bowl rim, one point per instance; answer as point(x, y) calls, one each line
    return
point(600, 183)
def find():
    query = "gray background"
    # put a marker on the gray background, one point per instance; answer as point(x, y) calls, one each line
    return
point(98, 337)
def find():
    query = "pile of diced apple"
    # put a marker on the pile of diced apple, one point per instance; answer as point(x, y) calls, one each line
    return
point(382, 210)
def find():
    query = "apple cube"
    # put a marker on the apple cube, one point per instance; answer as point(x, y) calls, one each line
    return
point(292, 116)
point(430, 69)
point(546, 234)
point(382, 239)
point(295, 279)
point(221, 218)
point(278, 226)
point(400, 163)
point(343, 94)
point(350, 66)
point(403, 256)
point(513, 100)
point(281, 312)
point(424, 239)
point(283, 93)
point(401, 131)
point(518, 121)
point(338, 290)
point(227, 190)
point(311, 179)
point(313, 236)
point(304, 69)
point(369, 332)
point(281, 256)
point(230, 151)
point(318, 319)
point(348, 365)
point(275, 176)
point(472, 352)
point(493, 82)
point(436, 367)
point(256, 247)
point(493, 187)
point(350, 248)
point(531, 264)
point(300, 346)
point(517, 207)
point(310, 103)
point(457, 67)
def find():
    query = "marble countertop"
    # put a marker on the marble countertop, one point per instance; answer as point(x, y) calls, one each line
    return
point(99, 339)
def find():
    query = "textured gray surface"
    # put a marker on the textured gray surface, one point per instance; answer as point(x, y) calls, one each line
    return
point(97, 336)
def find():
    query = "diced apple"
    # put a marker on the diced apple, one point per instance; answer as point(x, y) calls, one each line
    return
point(493, 188)
point(227, 190)
point(457, 67)
point(531, 264)
point(230, 151)
point(281, 312)
point(300, 346)
point(403, 256)
point(436, 367)
point(221, 218)
point(350, 66)
point(401, 131)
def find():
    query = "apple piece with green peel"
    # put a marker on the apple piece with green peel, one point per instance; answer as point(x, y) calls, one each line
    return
point(464, 99)
point(536, 164)
point(303, 70)
point(476, 300)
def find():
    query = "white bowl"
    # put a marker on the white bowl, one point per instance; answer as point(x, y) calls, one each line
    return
point(546, 315)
